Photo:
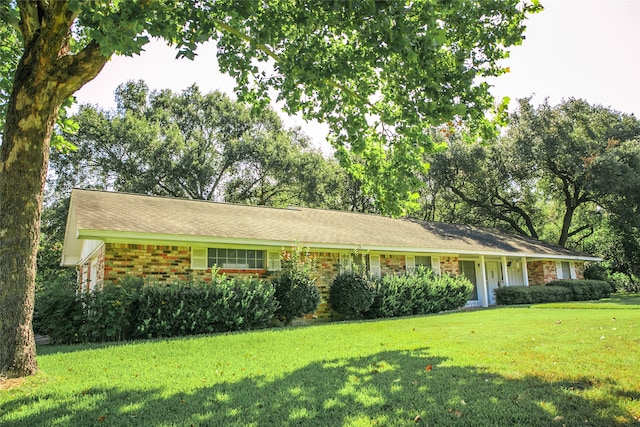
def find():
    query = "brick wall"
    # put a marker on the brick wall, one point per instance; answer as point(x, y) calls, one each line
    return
point(328, 267)
point(158, 263)
point(392, 264)
point(541, 272)
point(449, 265)
point(579, 270)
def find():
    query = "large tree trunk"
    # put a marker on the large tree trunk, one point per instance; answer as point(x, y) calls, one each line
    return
point(23, 165)
point(45, 77)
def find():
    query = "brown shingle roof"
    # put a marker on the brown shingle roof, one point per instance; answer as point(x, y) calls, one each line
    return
point(108, 214)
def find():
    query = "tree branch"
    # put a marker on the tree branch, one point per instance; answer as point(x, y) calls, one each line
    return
point(496, 214)
point(73, 71)
point(273, 55)
point(29, 19)
point(581, 229)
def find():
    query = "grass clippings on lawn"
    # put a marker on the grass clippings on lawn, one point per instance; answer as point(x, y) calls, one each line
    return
point(507, 366)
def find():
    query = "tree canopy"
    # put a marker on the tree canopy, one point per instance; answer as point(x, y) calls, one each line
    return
point(197, 146)
point(560, 173)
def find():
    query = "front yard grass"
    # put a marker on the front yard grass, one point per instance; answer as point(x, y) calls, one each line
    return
point(504, 366)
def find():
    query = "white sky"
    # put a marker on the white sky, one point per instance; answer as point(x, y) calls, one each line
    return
point(587, 49)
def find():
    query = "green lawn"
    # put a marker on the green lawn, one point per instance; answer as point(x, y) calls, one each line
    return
point(505, 366)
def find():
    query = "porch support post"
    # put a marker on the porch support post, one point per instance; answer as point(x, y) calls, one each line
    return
point(505, 271)
point(485, 290)
point(525, 273)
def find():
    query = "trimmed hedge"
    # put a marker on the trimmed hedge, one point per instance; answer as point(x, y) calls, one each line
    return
point(131, 309)
point(351, 294)
point(555, 291)
point(585, 290)
point(514, 295)
point(422, 292)
point(197, 307)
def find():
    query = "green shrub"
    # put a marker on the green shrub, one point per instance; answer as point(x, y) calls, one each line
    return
point(584, 290)
point(351, 294)
point(391, 297)
point(108, 312)
point(295, 288)
point(625, 283)
point(514, 295)
point(130, 309)
point(444, 292)
point(59, 314)
point(197, 307)
point(596, 272)
point(620, 282)
point(416, 293)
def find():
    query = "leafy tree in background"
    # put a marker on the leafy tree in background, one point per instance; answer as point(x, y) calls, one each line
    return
point(484, 185)
point(547, 175)
point(378, 72)
point(568, 174)
point(194, 146)
point(618, 189)
point(563, 141)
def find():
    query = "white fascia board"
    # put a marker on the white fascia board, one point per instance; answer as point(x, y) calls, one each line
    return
point(69, 260)
point(187, 240)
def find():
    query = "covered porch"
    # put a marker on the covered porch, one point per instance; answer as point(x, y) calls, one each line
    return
point(489, 273)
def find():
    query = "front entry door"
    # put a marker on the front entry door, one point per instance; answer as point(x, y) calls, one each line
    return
point(493, 279)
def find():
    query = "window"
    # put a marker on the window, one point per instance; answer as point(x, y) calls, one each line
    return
point(412, 262)
point(424, 261)
point(468, 269)
point(235, 258)
point(565, 270)
point(354, 262)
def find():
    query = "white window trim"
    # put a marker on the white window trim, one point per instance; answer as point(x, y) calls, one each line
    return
point(572, 269)
point(273, 261)
point(374, 266)
point(345, 262)
point(435, 265)
point(410, 263)
point(199, 258)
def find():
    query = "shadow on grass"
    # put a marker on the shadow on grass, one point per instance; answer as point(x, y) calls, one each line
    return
point(387, 388)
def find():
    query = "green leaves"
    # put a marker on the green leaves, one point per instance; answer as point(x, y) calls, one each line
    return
point(379, 74)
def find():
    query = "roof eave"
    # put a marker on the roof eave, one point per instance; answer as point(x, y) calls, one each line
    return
point(191, 240)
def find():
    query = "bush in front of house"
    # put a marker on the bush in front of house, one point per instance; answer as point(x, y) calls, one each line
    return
point(391, 297)
point(620, 282)
point(197, 307)
point(515, 295)
point(109, 312)
point(433, 293)
point(421, 292)
point(67, 316)
point(59, 314)
point(131, 309)
point(295, 288)
point(585, 290)
point(351, 294)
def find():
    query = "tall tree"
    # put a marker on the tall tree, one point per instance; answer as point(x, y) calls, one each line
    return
point(194, 146)
point(378, 72)
point(617, 184)
point(547, 175)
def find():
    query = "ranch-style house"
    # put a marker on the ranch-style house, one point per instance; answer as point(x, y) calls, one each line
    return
point(111, 235)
